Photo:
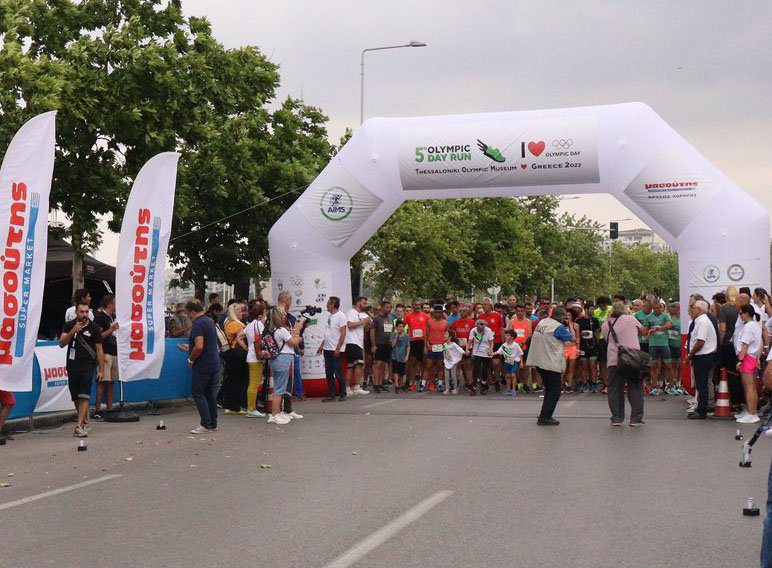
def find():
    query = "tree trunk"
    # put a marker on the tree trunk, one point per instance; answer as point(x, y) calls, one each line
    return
point(78, 281)
point(200, 288)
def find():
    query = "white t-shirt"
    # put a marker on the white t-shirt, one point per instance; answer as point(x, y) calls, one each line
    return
point(453, 353)
point(704, 330)
point(761, 311)
point(515, 352)
point(282, 335)
point(750, 334)
point(252, 330)
point(482, 341)
point(332, 333)
point(356, 336)
point(69, 315)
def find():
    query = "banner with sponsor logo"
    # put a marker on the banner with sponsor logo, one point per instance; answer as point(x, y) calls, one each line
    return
point(25, 184)
point(307, 289)
point(337, 205)
point(673, 189)
point(140, 277)
point(54, 394)
point(503, 153)
point(707, 277)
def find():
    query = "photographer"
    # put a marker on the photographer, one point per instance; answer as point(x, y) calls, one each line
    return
point(287, 339)
point(296, 388)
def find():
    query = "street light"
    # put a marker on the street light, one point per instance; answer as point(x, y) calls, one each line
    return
point(362, 79)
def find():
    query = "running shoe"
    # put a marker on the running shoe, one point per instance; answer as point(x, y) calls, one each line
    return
point(280, 419)
point(349, 392)
point(740, 414)
point(359, 390)
point(655, 392)
point(80, 432)
point(294, 415)
point(199, 430)
point(258, 414)
point(422, 389)
point(749, 419)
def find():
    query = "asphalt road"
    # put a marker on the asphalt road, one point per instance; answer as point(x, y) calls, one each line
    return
point(378, 481)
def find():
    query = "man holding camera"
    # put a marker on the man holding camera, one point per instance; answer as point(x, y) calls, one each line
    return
point(285, 301)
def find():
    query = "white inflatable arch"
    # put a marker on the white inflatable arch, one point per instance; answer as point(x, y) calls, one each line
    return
point(721, 234)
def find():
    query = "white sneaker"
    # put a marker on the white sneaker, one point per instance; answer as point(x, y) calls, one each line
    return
point(287, 416)
point(741, 414)
point(749, 419)
point(199, 430)
point(691, 401)
point(255, 414)
point(278, 419)
point(349, 392)
point(294, 415)
point(360, 390)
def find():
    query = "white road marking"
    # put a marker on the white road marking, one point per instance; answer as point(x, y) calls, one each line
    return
point(379, 403)
point(568, 404)
point(59, 491)
point(362, 548)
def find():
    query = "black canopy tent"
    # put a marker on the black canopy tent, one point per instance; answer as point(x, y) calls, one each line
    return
point(57, 294)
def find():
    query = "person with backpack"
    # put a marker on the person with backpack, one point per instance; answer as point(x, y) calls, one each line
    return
point(279, 342)
point(253, 334)
point(622, 330)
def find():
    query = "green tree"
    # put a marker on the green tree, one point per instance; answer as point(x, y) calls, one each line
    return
point(131, 78)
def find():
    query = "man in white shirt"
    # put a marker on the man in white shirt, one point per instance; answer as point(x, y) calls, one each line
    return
point(356, 319)
point(334, 340)
point(702, 355)
point(81, 295)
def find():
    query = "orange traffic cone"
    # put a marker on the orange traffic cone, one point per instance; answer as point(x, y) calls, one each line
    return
point(723, 411)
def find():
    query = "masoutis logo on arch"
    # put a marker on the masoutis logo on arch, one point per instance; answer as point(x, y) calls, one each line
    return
point(16, 261)
point(142, 275)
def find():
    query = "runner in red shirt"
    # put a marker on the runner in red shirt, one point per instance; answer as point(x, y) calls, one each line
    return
point(416, 324)
point(496, 324)
point(435, 347)
point(462, 327)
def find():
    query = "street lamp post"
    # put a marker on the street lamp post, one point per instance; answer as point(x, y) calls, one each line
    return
point(362, 77)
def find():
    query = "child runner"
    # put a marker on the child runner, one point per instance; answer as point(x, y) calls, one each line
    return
point(453, 353)
point(480, 348)
point(400, 352)
point(512, 353)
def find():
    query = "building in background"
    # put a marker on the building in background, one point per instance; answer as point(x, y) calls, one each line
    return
point(640, 236)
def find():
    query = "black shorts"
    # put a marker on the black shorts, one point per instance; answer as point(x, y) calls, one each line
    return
point(79, 383)
point(496, 347)
point(602, 349)
point(398, 368)
point(383, 353)
point(417, 349)
point(354, 355)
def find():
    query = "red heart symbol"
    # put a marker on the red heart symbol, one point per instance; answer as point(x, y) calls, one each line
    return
point(536, 148)
point(523, 166)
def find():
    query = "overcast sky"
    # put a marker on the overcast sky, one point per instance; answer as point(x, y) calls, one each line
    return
point(704, 66)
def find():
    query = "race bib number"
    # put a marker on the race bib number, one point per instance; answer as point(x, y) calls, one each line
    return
point(462, 341)
point(418, 333)
point(388, 328)
point(519, 333)
point(438, 348)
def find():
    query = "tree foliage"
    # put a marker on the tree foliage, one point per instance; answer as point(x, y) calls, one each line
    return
point(446, 248)
point(131, 78)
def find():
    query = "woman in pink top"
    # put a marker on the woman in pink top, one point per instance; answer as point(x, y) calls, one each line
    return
point(622, 329)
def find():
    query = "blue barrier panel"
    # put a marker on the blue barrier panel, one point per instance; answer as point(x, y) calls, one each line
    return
point(173, 383)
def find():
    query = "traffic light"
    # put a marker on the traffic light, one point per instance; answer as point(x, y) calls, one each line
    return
point(613, 232)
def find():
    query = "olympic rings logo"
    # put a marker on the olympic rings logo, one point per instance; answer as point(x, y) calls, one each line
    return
point(562, 143)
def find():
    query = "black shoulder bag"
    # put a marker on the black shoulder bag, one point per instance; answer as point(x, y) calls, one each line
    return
point(631, 362)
